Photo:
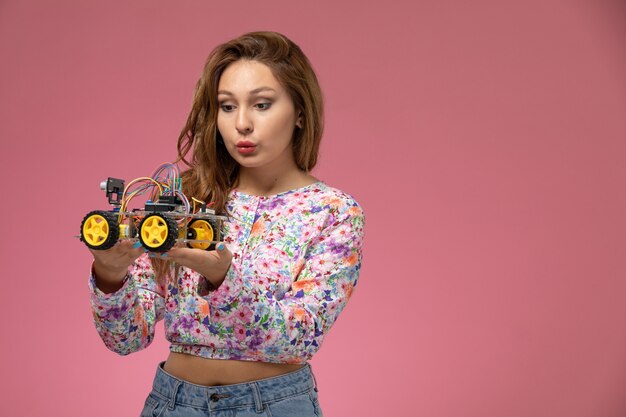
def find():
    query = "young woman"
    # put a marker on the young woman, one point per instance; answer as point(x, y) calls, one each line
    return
point(244, 319)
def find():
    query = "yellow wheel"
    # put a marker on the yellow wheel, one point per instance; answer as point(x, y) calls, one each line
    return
point(200, 230)
point(99, 229)
point(157, 233)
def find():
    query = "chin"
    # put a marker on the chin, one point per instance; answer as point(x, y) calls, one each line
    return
point(248, 162)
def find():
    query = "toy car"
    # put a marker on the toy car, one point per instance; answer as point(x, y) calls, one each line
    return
point(167, 218)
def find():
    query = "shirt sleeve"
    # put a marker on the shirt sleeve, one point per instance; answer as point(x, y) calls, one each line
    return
point(125, 319)
point(290, 327)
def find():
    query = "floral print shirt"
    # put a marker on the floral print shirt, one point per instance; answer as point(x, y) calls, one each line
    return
point(297, 257)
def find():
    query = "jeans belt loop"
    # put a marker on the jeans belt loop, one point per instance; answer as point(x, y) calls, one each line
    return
point(172, 403)
point(258, 403)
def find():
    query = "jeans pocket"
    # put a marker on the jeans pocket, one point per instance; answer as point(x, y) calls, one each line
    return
point(316, 402)
point(153, 407)
point(301, 405)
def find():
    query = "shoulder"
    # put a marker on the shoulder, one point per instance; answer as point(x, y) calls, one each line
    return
point(324, 197)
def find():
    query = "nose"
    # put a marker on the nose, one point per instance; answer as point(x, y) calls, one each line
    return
point(244, 123)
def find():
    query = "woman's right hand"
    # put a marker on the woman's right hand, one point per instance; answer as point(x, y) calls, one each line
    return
point(110, 266)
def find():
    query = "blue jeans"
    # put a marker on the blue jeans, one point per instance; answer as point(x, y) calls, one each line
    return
point(293, 394)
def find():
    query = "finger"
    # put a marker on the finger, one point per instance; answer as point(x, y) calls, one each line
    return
point(183, 255)
point(197, 259)
point(136, 252)
point(127, 249)
point(187, 256)
point(223, 253)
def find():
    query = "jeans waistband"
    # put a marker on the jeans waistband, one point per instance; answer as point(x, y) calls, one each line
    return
point(178, 391)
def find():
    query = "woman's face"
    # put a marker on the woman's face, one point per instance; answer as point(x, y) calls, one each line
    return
point(256, 117)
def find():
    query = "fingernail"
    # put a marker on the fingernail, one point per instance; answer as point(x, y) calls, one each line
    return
point(145, 250)
point(136, 244)
point(164, 255)
point(151, 255)
point(220, 246)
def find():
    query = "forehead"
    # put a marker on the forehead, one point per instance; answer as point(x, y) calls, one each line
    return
point(244, 76)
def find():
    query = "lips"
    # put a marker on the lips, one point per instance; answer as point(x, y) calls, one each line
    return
point(245, 147)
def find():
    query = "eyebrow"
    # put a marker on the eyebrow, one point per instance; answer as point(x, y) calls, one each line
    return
point(251, 93)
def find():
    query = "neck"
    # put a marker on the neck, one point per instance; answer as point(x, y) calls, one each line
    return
point(267, 182)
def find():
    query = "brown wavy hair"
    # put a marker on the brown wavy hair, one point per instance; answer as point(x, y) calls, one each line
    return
point(212, 172)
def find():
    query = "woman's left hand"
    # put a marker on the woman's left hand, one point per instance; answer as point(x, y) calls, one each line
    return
point(210, 264)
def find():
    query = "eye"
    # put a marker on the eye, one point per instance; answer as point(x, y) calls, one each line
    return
point(227, 107)
point(263, 106)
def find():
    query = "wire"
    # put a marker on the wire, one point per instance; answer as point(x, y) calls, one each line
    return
point(164, 181)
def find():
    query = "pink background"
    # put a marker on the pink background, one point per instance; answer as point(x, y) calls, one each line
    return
point(486, 141)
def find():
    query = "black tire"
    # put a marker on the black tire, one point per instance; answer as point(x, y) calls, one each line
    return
point(112, 232)
point(170, 227)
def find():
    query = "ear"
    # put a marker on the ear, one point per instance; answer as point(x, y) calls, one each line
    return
point(299, 120)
